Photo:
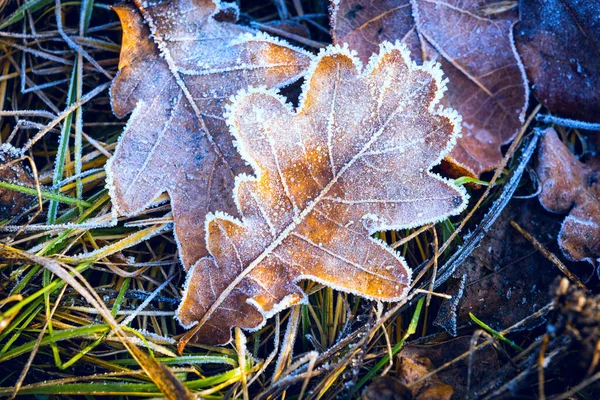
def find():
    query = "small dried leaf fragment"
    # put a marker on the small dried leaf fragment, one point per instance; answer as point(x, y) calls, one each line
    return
point(177, 70)
point(354, 158)
point(462, 375)
point(474, 45)
point(569, 185)
point(12, 171)
point(559, 43)
point(409, 383)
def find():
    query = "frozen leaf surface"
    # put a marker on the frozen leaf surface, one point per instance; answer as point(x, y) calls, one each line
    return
point(569, 185)
point(354, 158)
point(559, 42)
point(177, 70)
point(473, 42)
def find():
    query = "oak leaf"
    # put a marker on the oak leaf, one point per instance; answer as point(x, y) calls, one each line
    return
point(177, 69)
point(473, 42)
point(559, 43)
point(568, 185)
point(354, 158)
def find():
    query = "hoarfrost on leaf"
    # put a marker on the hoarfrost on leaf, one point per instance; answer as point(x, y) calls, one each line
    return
point(177, 70)
point(340, 158)
point(487, 81)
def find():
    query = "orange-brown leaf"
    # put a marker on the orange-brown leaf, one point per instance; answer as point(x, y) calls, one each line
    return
point(177, 70)
point(569, 185)
point(474, 45)
point(355, 158)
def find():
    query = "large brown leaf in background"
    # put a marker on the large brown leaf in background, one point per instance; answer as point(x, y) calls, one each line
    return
point(569, 185)
point(354, 159)
point(473, 43)
point(559, 42)
point(177, 70)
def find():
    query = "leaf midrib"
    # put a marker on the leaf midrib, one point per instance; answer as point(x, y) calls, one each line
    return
point(295, 222)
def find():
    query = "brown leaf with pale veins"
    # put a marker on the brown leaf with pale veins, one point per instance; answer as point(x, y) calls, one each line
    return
point(355, 158)
point(569, 185)
point(474, 45)
point(177, 70)
point(559, 42)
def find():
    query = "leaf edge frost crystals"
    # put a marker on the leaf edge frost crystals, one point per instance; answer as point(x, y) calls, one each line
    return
point(458, 201)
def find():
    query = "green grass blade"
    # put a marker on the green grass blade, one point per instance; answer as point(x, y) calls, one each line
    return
point(46, 195)
point(495, 333)
point(20, 13)
point(57, 337)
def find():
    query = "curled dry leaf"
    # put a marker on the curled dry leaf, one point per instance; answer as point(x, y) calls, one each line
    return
point(177, 70)
point(13, 171)
point(559, 43)
point(473, 43)
point(458, 374)
point(355, 158)
point(410, 383)
point(569, 185)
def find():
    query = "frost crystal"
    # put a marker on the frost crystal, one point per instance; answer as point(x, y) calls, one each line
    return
point(177, 70)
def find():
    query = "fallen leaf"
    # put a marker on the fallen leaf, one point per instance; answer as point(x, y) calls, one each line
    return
point(559, 43)
point(487, 84)
point(355, 158)
point(485, 363)
point(568, 185)
point(177, 70)
point(409, 383)
point(388, 388)
point(12, 171)
point(412, 372)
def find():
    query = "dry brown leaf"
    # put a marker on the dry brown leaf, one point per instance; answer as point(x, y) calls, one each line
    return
point(177, 70)
point(12, 171)
point(409, 383)
point(559, 42)
point(485, 364)
point(355, 158)
point(569, 185)
point(474, 45)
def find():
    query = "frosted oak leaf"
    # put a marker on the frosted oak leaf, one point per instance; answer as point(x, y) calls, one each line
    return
point(354, 158)
point(472, 39)
point(177, 70)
